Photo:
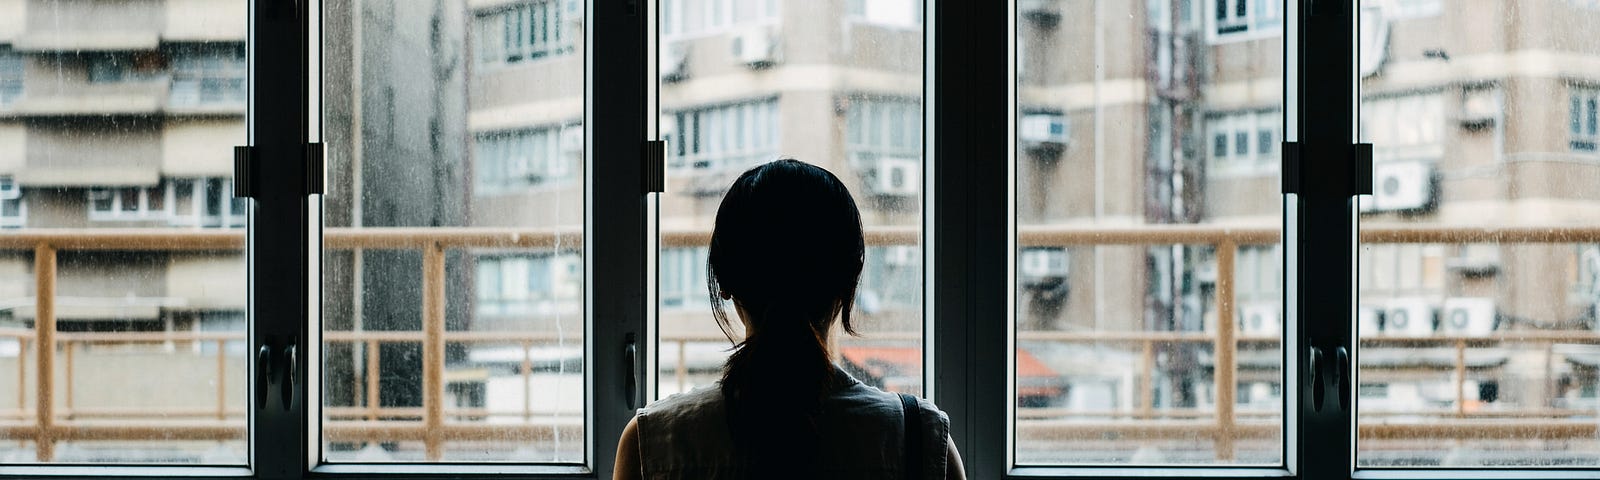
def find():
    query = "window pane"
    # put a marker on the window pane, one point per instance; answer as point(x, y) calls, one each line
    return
point(1476, 340)
point(134, 362)
point(1133, 351)
point(865, 127)
point(477, 164)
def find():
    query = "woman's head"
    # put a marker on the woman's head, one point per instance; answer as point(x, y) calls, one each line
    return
point(787, 249)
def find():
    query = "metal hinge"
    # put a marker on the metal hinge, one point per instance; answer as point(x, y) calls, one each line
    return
point(244, 177)
point(315, 165)
point(245, 170)
point(655, 166)
point(1362, 176)
point(1360, 164)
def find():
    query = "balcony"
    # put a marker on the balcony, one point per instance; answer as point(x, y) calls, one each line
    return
point(48, 412)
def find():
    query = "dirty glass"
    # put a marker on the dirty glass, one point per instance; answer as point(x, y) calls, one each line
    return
point(453, 276)
point(1134, 346)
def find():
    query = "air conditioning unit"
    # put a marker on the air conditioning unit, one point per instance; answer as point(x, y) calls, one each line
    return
point(674, 61)
point(756, 47)
point(1479, 108)
point(1039, 12)
point(1039, 266)
point(1043, 129)
point(1470, 317)
point(1475, 260)
point(896, 176)
point(1367, 324)
point(1408, 317)
point(1403, 186)
point(1260, 320)
point(900, 256)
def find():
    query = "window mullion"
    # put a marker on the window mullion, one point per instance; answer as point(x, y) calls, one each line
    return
point(969, 341)
point(614, 232)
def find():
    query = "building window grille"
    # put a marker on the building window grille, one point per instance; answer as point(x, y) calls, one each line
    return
point(208, 75)
point(1583, 121)
point(520, 159)
point(1244, 143)
point(723, 137)
point(524, 32)
point(10, 76)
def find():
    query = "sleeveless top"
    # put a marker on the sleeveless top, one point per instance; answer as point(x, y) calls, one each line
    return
point(686, 436)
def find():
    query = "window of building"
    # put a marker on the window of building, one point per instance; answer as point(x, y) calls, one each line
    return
point(509, 161)
point(884, 143)
point(1246, 19)
point(125, 67)
point(1244, 143)
point(683, 278)
point(1583, 119)
point(723, 137)
point(527, 284)
point(894, 13)
point(13, 212)
point(1406, 9)
point(525, 32)
point(1407, 127)
point(189, 202)
point(208, 74)
point(11, 74)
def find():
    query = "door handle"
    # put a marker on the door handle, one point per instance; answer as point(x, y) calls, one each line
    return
point(630, 357)
point(1317, 389)
point(1342, 381)
point(264, 378)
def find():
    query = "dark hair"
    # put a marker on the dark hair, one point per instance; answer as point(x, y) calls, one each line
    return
point(788, 249)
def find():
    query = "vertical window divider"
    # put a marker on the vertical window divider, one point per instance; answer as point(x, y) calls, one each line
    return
point(280, 238)
point(1325, 220)
point(970, 340)
point(615, 237)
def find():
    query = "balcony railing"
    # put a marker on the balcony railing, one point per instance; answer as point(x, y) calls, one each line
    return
point(433, 425)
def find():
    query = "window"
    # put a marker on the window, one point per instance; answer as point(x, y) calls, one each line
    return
point(527, 285)
point(723, 138)
point(11, 74)
point(894, 13)
point(130, 203)
point(207, 75)
point(1245, 19)
point(1583, 119)
point(683, 278)
point(524, 32)
point(13, 210)
point(1406, 9)
point(885, 143)
point(517, 160)
point(125, 67)
point(1244, 143)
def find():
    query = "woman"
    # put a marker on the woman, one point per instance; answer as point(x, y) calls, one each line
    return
point(787, 251)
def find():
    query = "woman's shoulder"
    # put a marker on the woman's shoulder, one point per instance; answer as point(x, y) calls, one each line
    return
point(700, 400)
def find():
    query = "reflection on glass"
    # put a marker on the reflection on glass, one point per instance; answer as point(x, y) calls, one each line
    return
point(747, 82)
point(457, 127)
point(1477, 349)
point(103, 139)
point(1136, 117)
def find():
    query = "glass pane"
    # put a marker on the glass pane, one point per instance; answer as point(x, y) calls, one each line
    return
point(453, 276)
point(138, 356)
point(1135, 347)
point(721, 115)
point(1479, 272)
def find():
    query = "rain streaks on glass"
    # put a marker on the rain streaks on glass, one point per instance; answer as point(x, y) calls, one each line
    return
point(456, 126)
point(1136, 116)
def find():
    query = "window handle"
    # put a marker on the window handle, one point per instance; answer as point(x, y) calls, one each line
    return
point(1317, 389)
point(630, 356)
point(287, 377)
point(1342, 381)
point(263, 375)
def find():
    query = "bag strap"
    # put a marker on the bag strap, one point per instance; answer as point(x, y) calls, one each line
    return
point(913, 429)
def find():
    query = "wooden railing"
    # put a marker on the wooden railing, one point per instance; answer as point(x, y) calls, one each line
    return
point(433, 425)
